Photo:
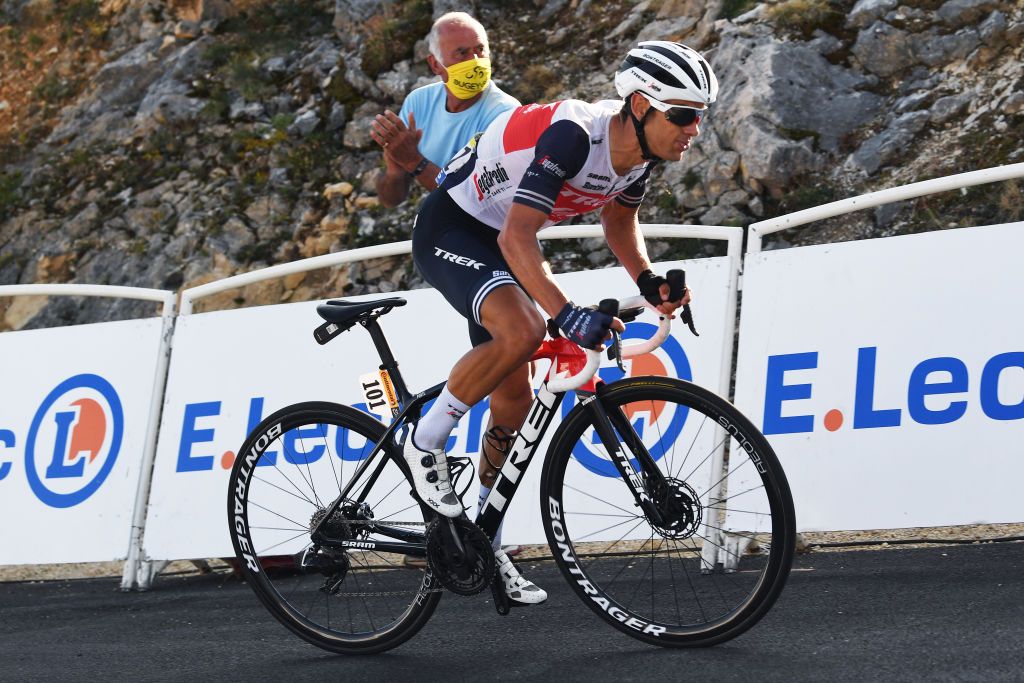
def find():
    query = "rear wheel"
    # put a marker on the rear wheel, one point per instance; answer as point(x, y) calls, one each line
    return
point(347, 599)
point(719, 555)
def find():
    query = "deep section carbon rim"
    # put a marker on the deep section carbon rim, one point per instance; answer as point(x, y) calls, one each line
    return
point(719, 555)
point(345, 598)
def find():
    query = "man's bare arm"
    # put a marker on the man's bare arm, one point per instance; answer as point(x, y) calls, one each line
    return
point(622, 233)
point(401, 157)
point(392, 186)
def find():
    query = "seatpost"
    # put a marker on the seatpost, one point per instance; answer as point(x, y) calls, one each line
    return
point(387, 358)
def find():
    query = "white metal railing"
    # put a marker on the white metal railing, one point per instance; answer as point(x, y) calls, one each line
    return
point(733, 236)
point(872, 199)
point(112, 291)
point(188, 296)
point(134, 563)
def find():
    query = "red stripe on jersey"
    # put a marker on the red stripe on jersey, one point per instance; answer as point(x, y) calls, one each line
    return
point(573, 201)
point(526, 124)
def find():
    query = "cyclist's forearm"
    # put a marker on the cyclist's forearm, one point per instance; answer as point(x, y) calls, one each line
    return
point(622, 231)
point(519, 245)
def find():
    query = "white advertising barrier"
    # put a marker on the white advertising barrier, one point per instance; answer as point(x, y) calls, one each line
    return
point(888, 375)
point(230, 369)
point(74, 413)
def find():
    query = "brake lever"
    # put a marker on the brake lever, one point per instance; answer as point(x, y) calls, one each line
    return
point(615, 350)
point(687, 317)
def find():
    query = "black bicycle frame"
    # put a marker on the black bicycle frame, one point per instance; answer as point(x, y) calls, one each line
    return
point(542, 411)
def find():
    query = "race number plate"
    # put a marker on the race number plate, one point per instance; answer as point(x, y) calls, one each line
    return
point(379, 394)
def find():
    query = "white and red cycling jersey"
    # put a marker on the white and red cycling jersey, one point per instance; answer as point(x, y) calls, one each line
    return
point(551, 157)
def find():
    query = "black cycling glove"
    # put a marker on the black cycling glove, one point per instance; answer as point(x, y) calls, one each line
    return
point(650, 287)
point(584, 326)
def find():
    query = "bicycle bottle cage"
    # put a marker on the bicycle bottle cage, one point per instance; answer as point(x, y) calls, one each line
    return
point(341, 315)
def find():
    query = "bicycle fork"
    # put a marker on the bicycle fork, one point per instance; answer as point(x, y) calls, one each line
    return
point(606, 424)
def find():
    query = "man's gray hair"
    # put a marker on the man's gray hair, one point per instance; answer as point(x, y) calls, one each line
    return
point(434, 37)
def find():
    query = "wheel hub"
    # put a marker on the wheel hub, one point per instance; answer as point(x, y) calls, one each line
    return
point(679, 507)
point(340, 526)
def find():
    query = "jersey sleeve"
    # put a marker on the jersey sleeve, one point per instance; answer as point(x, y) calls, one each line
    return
point(633, 195)
point(560, 153)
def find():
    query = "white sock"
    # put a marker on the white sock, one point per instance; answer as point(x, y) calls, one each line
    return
point(434, 428)
point(484, 490)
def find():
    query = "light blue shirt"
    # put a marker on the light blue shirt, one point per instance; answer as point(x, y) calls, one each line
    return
point(445, 133)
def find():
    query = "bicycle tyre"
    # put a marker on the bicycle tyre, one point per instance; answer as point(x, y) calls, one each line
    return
point(285, 438)
point(570, 510)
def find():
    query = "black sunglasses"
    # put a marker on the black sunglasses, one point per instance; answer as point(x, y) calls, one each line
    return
point(678, 114)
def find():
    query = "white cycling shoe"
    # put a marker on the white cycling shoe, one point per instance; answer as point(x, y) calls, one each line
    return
point(517, 587)
point(431, 479)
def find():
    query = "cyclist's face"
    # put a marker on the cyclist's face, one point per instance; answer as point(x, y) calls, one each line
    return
point(457, 43)
point(666, 139)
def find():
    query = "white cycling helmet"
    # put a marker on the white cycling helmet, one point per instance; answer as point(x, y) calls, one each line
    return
point(665, 71)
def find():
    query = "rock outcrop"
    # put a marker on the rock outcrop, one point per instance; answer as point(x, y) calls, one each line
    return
point(166, 143)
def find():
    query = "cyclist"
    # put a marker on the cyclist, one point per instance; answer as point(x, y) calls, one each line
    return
point(475, 241)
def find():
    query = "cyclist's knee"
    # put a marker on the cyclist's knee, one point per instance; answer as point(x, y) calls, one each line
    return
point(521, 333)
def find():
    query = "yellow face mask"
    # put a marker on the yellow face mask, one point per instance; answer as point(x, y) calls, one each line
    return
point(469, 78)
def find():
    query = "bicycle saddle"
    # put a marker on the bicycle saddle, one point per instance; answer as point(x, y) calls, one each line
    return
point(342, 312)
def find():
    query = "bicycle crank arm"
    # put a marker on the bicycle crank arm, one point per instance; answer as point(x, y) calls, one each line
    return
point(501, 602)
point(454, 549)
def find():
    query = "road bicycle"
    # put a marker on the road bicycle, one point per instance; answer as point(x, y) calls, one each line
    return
point(665, 509)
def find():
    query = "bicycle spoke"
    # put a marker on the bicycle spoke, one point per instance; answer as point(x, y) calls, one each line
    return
point(681, 570)
point(600, 500)
point(285, 491)
point(263, 552)
point(594, 533)
point(297, 525)
point(377, 593)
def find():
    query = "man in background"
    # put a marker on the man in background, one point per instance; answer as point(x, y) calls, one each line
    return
point(435, 122)
point(438, 120)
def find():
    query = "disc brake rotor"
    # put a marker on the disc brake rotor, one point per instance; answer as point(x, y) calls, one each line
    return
point(680, 509)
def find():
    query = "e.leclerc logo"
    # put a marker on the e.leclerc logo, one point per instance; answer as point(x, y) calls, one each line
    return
point(74, 440)
point(938, 391)
point(662, 420)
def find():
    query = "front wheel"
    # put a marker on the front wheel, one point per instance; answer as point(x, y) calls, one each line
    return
point(342, 593)
point(718, 554)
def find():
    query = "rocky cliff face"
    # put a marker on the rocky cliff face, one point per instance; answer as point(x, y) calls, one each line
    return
point(169, 143)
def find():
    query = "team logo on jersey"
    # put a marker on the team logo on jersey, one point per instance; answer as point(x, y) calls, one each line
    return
point(487, 181)
point(550, 166)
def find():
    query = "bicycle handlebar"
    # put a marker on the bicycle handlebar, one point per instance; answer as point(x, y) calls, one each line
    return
point(560, 384)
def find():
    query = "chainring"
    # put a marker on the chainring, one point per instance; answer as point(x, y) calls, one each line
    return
point(462, 573)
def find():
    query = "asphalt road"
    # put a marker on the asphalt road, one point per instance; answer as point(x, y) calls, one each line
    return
point(940, 613)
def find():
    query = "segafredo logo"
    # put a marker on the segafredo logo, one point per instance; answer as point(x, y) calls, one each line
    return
point(658, 423)
point(74, 440)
